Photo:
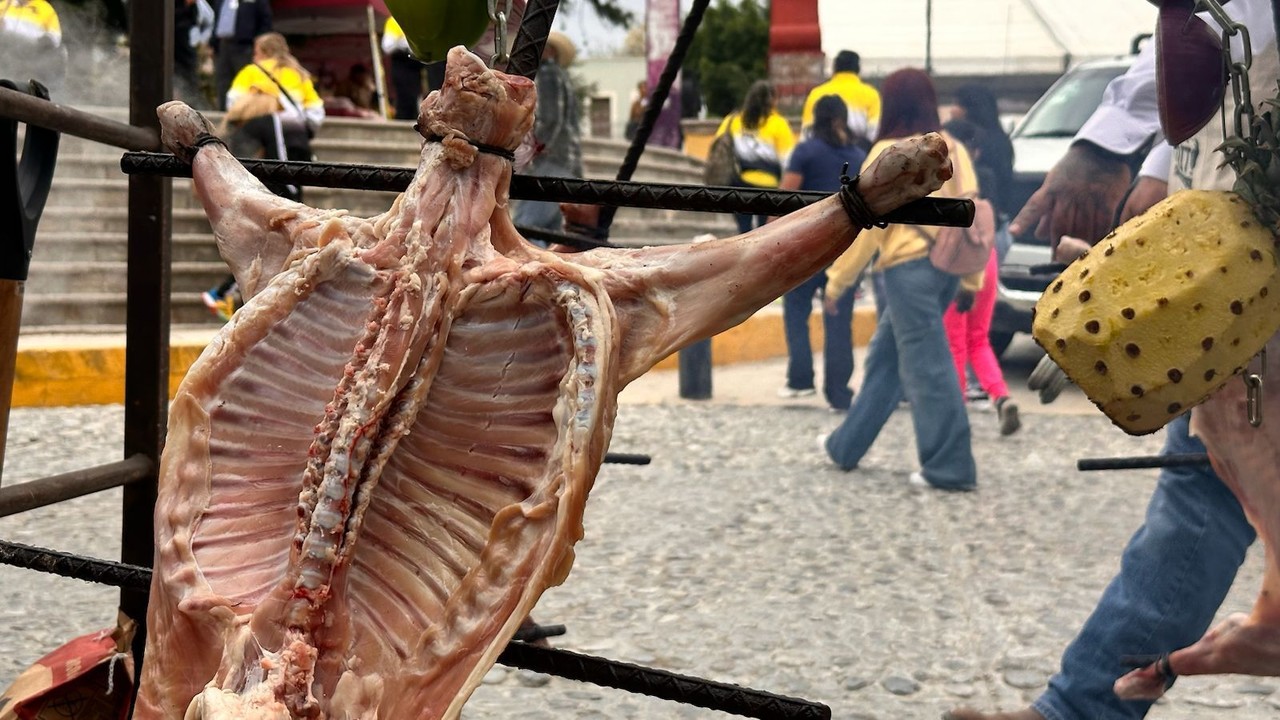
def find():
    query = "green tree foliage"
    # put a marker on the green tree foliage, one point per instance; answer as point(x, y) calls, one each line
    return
point(730, 52)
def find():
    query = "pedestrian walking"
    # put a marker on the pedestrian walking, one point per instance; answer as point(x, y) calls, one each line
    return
point(762, 140)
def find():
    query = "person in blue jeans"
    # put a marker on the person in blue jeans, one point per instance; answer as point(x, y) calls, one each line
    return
point(1179, 566)
point(817, 163)
point(909, 355)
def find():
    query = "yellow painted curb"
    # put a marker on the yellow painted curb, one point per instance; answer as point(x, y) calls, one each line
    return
point(59, 372)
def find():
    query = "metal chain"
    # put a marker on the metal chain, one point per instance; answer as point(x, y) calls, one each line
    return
point(499, 19)
point(1245, 125)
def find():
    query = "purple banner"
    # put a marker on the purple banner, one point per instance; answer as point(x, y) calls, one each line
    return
point(662, 25)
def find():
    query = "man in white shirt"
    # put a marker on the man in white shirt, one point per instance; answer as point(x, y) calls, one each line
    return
point(1180, 564)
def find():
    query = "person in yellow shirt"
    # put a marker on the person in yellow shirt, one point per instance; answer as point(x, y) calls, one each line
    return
point(31, 43)
point(862, 99)
point(909, 355)
point(762, 140)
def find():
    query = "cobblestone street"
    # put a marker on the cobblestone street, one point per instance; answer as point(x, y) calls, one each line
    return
point(741, 555)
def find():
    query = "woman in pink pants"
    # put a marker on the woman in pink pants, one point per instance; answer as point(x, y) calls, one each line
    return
point(968, 324)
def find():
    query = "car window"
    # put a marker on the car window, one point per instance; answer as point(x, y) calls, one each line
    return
point(1068, 104)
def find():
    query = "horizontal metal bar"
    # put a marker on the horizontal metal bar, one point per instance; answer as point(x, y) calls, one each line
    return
point(45, 113)
point(56, 488)
point(627, 458)
point(661, 196)
point(661, 684)
point(103, 572)
point(1142, 461)
point(732, 699)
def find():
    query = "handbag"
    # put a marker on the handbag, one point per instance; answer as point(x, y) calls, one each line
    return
point(965, 250)
point(311, 130)
point(722, 166)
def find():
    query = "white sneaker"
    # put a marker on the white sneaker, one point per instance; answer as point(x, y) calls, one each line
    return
point(790, 392)
point(821, 441)
point(916, 480)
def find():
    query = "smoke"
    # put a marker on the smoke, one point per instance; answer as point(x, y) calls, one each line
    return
point(97, 58)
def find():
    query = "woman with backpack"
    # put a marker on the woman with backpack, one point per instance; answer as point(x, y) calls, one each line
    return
point(762, 140)
point(909, 355)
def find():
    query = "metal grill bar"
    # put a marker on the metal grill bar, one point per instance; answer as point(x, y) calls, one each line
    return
point(665, 196)
point(54, 489)
point(661, 684)
point(526, 51)
point(1142, 461)
point(45, 113)
point(724, 697)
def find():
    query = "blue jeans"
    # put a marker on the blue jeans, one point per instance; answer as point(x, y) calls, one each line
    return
point(1174, 574)
point(837, 342)
point(909, 356)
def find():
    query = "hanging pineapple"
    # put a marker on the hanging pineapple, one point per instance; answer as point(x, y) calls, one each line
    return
point(1172, 304)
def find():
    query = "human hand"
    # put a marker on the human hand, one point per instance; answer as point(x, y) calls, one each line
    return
point(964, 301)
point(1079, 197)
point(1146, 192)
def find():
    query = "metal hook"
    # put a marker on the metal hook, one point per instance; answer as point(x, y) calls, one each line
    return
point(1253, 391)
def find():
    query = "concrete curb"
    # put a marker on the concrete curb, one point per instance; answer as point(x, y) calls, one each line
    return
point(69, 370)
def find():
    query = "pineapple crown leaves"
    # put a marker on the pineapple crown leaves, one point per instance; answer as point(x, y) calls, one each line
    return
point(1256, 161)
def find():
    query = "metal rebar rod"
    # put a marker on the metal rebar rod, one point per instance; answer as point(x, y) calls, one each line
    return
point(661, 684)
point(54, 489)
point(665, 196)
point(657, 99)
point(627, 459)
point(526, 52)
point(45, 113)
point(1142, 461)
point(724, 697)
point(103, 572)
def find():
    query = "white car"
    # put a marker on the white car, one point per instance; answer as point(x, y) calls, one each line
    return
point(1040, 139)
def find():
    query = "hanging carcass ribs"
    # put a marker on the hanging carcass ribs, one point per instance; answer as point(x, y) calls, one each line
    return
point(377, 467)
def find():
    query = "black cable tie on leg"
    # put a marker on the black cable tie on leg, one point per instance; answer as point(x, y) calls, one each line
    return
point(855, 206)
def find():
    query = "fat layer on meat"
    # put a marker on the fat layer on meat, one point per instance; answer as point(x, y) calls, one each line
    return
point(381, 462)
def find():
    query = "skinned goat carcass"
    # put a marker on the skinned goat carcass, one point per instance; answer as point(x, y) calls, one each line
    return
point(376, 468)
point(1247, 458)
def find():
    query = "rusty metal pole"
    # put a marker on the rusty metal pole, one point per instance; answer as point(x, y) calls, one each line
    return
point(146, 381)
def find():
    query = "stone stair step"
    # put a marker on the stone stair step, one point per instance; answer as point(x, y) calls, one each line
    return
point(83, 309)
point(54, 278)
point(75, 247)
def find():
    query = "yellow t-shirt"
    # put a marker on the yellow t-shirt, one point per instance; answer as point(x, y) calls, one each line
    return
point(252, 78)
point(774, 134)
point(393, 38)
point(860, 98)
point(901, 243)
point(31, 20)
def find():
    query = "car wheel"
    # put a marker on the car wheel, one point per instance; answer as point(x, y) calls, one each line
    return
point(1000, 342)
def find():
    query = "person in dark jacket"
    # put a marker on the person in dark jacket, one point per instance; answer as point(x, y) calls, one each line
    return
point(236, 24)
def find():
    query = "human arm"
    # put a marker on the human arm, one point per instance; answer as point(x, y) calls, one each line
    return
point(1080, 194)
point(1152, 185)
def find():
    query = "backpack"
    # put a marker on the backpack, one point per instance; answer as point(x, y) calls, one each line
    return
point(965, 250)
point(722, 167)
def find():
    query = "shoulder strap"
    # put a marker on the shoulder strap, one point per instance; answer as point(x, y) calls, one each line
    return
point(287, 97)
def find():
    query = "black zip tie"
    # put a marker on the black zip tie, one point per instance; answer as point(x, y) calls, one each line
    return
point(855, 206)
point(501, 152)
point(1163, 667)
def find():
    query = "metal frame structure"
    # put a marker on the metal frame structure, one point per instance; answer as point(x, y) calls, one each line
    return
point(148, 320)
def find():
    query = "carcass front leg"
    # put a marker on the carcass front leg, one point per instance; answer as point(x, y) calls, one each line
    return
point(256, 230)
